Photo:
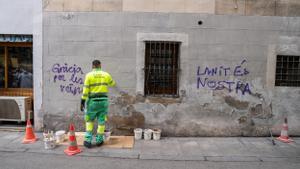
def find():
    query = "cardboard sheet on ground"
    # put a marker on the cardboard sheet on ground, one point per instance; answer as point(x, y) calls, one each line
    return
point(114, 141)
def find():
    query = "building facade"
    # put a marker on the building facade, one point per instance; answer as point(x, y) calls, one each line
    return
point(188, 67)
point(191, 68)
point(21, 53)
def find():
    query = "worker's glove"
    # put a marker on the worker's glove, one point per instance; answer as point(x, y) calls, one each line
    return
point(82, 105)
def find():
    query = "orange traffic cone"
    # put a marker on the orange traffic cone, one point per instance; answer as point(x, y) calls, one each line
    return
point(73, 148)
point(29, 134)
point(284, 137)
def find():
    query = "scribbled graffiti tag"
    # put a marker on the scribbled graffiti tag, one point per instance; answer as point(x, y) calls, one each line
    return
point(69, 77)
point(205, 78)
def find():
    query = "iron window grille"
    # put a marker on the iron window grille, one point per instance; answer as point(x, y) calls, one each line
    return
point(287, 71)
point(161, 68)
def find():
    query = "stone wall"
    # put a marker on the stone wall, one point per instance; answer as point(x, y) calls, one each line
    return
point(247, 104)
point(231, 7)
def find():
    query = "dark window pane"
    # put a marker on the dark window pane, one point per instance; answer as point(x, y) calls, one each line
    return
point(2, 68)
point(279, 58)
point(20, 73)
point(287, 71)
point(161, 68)
point(279, 64)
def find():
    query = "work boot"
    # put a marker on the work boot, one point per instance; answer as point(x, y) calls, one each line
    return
point(87, 144)
point(99, 144)
point(88, 139)
point(99, 140)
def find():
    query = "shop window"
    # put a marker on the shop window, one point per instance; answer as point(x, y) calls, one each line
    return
point(16, 70)
point(2, 67)
point(287, 71)
point(19, 67)
point(161, 68)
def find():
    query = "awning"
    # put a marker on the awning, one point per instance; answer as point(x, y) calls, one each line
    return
point(15, 38)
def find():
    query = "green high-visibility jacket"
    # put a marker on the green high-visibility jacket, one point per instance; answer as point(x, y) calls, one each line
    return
point(96, 83)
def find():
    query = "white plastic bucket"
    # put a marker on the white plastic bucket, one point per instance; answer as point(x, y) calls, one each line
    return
point(148, 134)
point(49, 144)
point(138, 132)
point(60, 136)
point(156, 134)
point(107, 135)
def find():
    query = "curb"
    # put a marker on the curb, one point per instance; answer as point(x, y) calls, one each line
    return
point(163, 157)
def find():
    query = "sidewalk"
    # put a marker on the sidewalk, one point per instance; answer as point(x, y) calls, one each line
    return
point(232, 149)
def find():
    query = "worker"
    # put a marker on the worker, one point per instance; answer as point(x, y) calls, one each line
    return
point(94, 102)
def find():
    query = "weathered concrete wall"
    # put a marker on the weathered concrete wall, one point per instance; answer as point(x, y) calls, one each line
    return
point(244, 47)
point(231, 7)
point(258, 7)
point(185, 6)
point(38, 63)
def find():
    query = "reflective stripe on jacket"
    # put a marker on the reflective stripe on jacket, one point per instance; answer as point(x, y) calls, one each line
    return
point(96, 83)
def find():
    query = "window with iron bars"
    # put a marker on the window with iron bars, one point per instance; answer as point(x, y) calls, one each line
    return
point(161, 68)
point(287, 71)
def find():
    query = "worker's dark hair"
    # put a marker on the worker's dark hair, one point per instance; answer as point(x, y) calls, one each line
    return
point(96, 63)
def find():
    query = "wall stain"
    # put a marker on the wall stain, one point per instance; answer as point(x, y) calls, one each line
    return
point(225, 116)
point(125, 125)
point(164, 101)
point(240, 105)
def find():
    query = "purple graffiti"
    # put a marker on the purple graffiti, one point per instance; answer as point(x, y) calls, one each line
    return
point(69, 77)
point(59, 78)
point(223, 84)
point(76, 79)
point(70, 88)
point(65, 68)
point(204, 78)
point(215, 71)
point(223, 71)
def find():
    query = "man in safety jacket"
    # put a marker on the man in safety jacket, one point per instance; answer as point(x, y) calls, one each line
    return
point(94, 102)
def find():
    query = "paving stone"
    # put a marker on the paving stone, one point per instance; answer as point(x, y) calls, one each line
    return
point(233, 158)
point(236, 149)
point(280, 159)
